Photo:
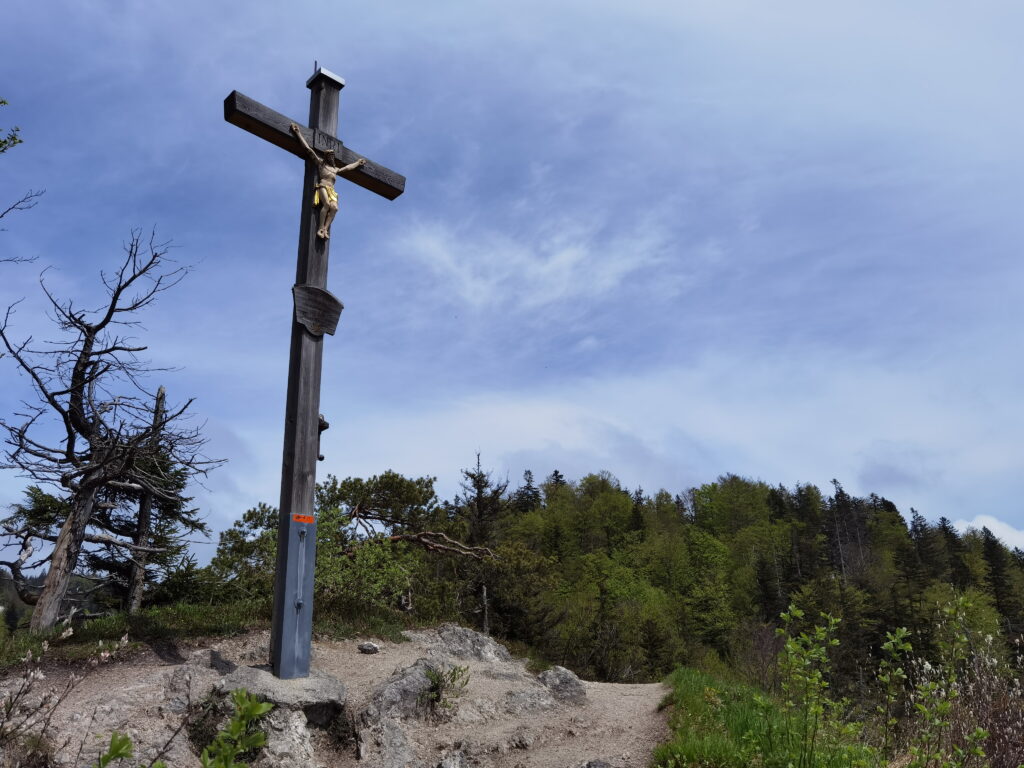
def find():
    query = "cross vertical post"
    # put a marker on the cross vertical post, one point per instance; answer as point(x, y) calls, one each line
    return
point(292, 627)
point(316, 312)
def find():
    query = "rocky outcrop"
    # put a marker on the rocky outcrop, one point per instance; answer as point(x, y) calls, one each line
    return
point(300, 705)
point(149, 705)
point(564, 685)
point(505, 691)
point(401, 696)
point(505, 716)
point(461, 643)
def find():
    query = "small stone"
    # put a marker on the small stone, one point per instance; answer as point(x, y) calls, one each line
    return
point(369, 647)
point(454, 760)
point(521, 739)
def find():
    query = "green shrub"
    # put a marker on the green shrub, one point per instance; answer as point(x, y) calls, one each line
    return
point(444, 685)
point(942, 713)
point(236, 738)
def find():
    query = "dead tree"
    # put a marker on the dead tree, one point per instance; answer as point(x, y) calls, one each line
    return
point(137, 579)
point(92, 429)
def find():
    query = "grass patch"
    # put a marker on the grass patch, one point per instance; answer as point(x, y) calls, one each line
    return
point(710, 720)
point(177, 621)
point(387, 625)
point(185, 620)
point(169, 622)
point(718, 724)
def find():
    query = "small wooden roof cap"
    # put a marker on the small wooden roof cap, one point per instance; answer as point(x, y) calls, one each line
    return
point(326, 74)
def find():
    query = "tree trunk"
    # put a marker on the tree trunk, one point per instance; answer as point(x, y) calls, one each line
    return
point(487, 612)
point(137, 579)
point(63, 562)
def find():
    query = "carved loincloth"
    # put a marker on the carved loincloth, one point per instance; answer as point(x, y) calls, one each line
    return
point(332, 194)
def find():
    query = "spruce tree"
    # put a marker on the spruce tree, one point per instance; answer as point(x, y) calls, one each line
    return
point(527, 497)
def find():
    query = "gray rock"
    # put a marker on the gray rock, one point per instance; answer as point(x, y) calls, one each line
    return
point(369, 647)
point(398, 699)
point(317, 700)
point(595, 764)
point(461, 643)
point(513, 674)
point(475, 710)
point(521, 738)
point(464, 643)
point(401, 695)
point(521, 702)
point(454, 760)
point(396, 751)
point(564, 685)
point(320, 696)
point(288, 740)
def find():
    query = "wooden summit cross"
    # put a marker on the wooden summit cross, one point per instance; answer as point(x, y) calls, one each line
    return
point(316, 312)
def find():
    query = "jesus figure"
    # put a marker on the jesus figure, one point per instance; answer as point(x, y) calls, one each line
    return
point(325, 195)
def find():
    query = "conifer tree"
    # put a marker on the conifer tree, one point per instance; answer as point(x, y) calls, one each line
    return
point(999, 584)
point(636, 516)
point(527, 497)
point(953, 547)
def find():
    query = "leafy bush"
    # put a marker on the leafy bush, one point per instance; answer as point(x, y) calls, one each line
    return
point(964, 709)
point(236, 738)
point(444, 685)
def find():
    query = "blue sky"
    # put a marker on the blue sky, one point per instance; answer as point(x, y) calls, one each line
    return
point(668, 240)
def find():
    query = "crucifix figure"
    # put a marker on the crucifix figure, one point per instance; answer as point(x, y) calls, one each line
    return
point(316, 312)
point(325, 196)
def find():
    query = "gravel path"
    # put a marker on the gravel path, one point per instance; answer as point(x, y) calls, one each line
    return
point(505, 717)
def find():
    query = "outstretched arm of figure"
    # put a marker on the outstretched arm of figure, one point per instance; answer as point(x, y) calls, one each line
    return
point(352, 166)
point(302, 140)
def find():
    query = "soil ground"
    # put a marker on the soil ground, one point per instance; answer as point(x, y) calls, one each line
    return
point(618, 724)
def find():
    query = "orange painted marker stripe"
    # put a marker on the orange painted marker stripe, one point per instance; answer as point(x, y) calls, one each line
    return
point(303, 518)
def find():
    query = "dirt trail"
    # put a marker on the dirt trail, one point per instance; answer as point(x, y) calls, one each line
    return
point(618, 724)
point(505, 717)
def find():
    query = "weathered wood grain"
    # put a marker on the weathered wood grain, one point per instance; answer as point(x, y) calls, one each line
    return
point(274, 127)
point(318, 310)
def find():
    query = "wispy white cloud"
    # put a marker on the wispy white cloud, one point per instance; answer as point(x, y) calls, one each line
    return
point(1008, 534)
point(552, 260)
point(664, 239)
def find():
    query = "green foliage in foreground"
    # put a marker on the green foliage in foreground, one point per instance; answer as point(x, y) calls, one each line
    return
point(710, 721)
point(236, 738)
point(443, 686)
point(718, 724)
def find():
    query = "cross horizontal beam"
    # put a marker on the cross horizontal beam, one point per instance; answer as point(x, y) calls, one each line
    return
point(264, 122)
